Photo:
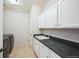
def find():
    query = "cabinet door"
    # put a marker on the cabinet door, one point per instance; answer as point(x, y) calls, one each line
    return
point(54, 55)
point(36, 47)
point(60, 14)
point(51, 17)
point(44, 51)
point(70, 13)
point(42, 21)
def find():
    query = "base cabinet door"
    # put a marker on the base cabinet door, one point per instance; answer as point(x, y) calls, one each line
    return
point(36, 47)
point(54, 55)
point(44, 51)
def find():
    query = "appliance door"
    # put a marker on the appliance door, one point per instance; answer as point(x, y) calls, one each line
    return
point(1, 50)
point(6, 47)
point(1, 45)
point(1, 26)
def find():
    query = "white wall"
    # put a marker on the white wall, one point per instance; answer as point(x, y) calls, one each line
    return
point(16, 23)
point(72, 35)
point(1, 25)
point(34, 16)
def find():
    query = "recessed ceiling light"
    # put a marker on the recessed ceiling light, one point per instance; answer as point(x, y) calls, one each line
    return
point(14, 1)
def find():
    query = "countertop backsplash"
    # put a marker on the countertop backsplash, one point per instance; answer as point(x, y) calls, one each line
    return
point(68, 34)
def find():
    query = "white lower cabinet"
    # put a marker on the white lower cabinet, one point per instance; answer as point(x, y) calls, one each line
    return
point(36, 47)
point(54, 55)
point(44, 51)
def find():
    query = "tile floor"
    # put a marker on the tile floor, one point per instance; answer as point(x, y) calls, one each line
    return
point(22, 51)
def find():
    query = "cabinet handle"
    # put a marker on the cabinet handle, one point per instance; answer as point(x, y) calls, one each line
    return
point(59, 24)
point(47, 56)
point(56, 25)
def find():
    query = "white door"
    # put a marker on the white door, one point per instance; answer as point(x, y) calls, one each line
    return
point(70, 13)
point(1, 26)
point(42, 21)
point(51, 17)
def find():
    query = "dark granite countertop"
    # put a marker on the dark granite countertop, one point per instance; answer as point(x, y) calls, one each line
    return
point(64, 48)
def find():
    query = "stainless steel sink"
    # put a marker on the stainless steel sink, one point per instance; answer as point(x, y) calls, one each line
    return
point(42, 37)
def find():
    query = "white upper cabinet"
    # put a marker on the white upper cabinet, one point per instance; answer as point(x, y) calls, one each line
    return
point(63, 14)
point(60, 14)
point(51, 17)
point(70, 14)
point(42, 20)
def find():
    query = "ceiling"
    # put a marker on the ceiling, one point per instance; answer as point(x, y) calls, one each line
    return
point(40, 2)
point(24, 5)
